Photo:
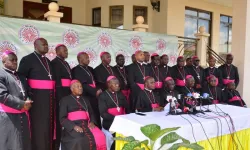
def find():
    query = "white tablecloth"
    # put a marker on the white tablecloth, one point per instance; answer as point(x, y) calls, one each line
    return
point(129, 125)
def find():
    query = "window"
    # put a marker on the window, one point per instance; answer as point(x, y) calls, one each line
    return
point(140, 11)
point(96, 17)
point(194, 19)
point(225, 33)
point(116, 17)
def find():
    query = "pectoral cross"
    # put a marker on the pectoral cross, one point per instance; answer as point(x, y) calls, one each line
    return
point(198, 77)
point(50, 76)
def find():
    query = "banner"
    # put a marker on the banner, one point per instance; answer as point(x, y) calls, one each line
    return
point(18, 35)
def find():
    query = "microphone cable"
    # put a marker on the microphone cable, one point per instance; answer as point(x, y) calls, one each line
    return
point(203, 130)
point(219, 129)
point(191, 127)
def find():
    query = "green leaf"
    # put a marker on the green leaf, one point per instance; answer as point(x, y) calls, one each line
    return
point(193, 146)
point(145, 142)
point(131, 145)
point(171, 138)
point(150, 129)
point(156, 135)
point(126, 139)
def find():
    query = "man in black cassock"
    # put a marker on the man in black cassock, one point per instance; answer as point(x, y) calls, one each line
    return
point(197, 72)
point(85, 74)
point(136, 75)
point(213, 90)
point(164, 68)
point(103, 71)
point(212, 70)
point(147, 57)
point(122, 73)
point(62, 72)
point(232, 97)
point(78, 120)
point(168, 90)
point(155, 70)
point(38, 71)
point(179, 73)
point(147, 99)
point(14, 103)
point(229, 71)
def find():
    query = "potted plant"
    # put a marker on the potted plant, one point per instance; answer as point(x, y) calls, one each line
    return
point(154, 132)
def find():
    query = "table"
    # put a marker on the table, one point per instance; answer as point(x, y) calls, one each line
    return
point(129, 125)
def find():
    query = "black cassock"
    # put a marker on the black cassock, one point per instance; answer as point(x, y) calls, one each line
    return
point(147, 100)
point(163, 95)
point(159, 78)
point(136, 74)
point(101, 74)
point(84, 74)
point(214, 92)
point(229, 72)
point(37, 70)
point(62, 72)
point(232, 97)
point(14, 127)
point(212, 71)
point(165, 71)
point(198, 73)
point(108, 106)
point(76, 111)
point(179, 76)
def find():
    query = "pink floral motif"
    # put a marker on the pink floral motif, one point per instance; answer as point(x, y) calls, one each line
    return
point(7, 46)
point(92, 55)
point(28, 34)
point(136, 43)
point(72, 64)
point(105, 40)
point(161, 44)
point(51, 53)
point(172, 59)
point(125, 56)
point(71, 38)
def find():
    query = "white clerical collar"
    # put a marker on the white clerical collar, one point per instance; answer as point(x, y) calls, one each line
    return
point(145, 63)
point(77, 96)
point(148, 90)
point(228, 65)
point(211, 67)
point(120, 67)
point(141, 63)
point(59, 57)
point(9, 70)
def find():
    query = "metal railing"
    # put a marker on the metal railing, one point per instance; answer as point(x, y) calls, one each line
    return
point(187, 47)
point(218, 58)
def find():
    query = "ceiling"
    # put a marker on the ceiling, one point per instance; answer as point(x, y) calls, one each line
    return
point(227, 3)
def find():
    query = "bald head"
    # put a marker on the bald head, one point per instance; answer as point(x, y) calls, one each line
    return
point(106, 58)
point(41, 46)
point(113, 84)
point(9, 61)
point(62, 51)
point(83, 59)
point(139, 56)
point(76, 88)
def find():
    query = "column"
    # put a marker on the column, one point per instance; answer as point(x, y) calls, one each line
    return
point(241, 45)
point(140, 26)
point(52, 15)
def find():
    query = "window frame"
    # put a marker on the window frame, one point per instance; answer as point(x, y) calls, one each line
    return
point(111, 22)
point(145, 18)
point(200, 18)
point(93, 17)
point(226, 23)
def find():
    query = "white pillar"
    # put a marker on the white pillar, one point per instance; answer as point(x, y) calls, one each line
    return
point(241, 45)
point(52, 15)
point(140, 26)
point(202, 45)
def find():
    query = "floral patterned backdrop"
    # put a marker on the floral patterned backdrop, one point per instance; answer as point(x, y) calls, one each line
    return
point(18, 35)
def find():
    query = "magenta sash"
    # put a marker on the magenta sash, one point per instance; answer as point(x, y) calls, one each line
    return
point(236, 98)
point(99, 136)
point(155, 105)
point(65, 82)
point(158, 85)
point(226, 81)
point(92, 85)
point(126, 93)
point(180, 82)
point(215, 101)
point(115, 112)
point(7, 109)
point(141, 86)
point(41, 84)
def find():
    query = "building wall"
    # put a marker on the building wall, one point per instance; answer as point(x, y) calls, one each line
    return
point(170, 20)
